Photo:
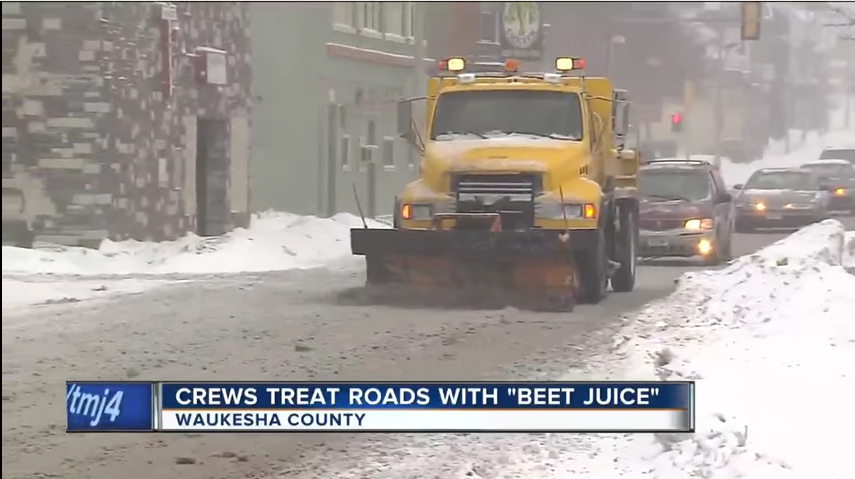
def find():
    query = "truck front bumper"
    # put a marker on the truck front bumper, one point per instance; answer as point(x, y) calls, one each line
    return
point(676, 243)
point(468, 243)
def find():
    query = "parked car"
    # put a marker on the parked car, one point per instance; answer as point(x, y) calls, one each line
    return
point(686, 211)
point(780, 197)
point(839, 153)
point(839, 176)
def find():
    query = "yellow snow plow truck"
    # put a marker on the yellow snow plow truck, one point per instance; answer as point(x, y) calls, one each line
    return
point(525, 191)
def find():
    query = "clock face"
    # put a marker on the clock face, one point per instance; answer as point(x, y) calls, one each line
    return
point(521, 24)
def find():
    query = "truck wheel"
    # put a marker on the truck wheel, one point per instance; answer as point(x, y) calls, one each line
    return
point(623, 280)
point(592, 273)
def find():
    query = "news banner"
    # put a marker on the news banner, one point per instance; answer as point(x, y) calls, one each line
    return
point(380, 407)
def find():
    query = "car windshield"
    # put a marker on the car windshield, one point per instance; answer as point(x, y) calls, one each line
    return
point(838, 154)
point(831, 170)
point(547, 114)
point(658, 185)
point(781, 180)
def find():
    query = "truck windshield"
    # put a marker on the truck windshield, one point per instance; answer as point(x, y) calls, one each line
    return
point(488, 113)
point(676, 185)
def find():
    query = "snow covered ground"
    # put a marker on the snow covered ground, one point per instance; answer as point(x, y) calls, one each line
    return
point(274, 241)
point(19, 293)
point(780, 316)
point(770, 340)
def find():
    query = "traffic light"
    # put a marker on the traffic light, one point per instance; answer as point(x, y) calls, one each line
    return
point(676, 123)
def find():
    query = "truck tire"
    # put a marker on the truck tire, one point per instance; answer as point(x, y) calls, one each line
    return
point(623, 280)
point(593, 268)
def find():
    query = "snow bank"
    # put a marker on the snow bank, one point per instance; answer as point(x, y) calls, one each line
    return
point(274, 241)
point(783, 314)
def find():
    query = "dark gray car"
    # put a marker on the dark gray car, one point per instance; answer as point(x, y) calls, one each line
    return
point(780, 197)
point(839, 176)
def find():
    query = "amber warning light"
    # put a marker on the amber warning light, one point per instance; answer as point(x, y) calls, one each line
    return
point(564, 64)
point(452, 65)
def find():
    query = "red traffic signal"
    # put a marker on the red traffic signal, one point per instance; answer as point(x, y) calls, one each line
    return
point(676, 122)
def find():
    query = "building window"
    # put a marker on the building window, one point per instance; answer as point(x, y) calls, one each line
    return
point(372, 133)
point(407, 20)
point(369, 15)
point(343, 14)
point(388, 153)
point(393, 18)
point(344, 152)
point(489, 25)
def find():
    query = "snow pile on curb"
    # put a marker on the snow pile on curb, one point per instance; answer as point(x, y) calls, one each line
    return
point(780, 316)
point(274, 241)
point(849, 252)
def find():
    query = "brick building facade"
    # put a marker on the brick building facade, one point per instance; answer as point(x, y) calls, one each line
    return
point(125, 119)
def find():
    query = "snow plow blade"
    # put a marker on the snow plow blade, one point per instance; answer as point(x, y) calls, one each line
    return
point(529, 269)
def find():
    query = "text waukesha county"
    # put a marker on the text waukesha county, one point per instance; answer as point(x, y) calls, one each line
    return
point(267, 419)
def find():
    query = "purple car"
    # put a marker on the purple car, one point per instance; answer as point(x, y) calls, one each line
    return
point(686, 211)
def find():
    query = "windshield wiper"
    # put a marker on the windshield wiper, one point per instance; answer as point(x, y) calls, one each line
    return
point(554, 136)
point(669, 197)
point(462, 133)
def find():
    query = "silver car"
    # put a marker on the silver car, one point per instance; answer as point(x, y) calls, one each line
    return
point(780, 197)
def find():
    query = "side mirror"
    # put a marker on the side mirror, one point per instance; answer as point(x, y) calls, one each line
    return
point(621, 120)
point(405, 119)
point(738, 186)
point(725, 197)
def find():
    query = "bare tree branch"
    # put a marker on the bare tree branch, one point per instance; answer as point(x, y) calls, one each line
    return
point(848, 17)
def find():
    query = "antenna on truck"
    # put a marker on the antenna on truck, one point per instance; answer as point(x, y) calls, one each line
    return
point(359, 206)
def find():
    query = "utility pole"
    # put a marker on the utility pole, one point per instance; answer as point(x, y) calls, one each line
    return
point(419, 71)
point(718, 108)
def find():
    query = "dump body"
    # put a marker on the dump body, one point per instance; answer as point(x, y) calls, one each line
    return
point(519, 181)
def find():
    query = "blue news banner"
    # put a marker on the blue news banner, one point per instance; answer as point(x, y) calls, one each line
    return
point(381, 407)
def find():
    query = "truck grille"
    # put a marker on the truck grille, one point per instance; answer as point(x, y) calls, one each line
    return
point(512, 195)
point(660, 224)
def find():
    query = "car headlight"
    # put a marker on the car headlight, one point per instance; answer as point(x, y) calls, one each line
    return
point(839, 191)
point(557, 211)
point(699, 224)
point(760, 206)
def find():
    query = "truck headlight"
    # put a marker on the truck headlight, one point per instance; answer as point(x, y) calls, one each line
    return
point(557, 211)
point(699, 224)
point(416, 211)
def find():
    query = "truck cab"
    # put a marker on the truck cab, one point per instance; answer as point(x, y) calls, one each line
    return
point(529, 167)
